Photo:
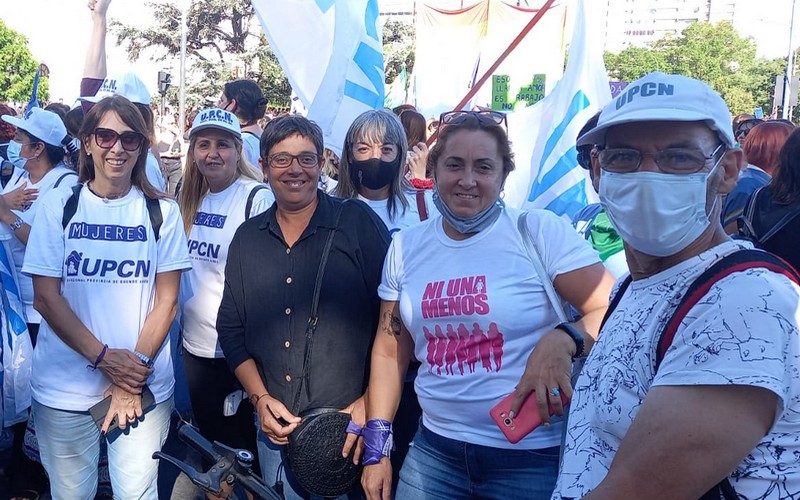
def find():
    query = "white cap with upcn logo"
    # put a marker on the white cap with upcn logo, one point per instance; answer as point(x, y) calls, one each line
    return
point(42, 124)
point(127, 85)
point(661, 97)
point(218, 119)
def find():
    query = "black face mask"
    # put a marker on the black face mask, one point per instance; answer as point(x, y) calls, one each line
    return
point(373, 173)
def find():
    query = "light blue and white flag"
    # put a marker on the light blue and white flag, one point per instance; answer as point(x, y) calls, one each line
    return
point(332, 54)
point(34, 102)
point(16, 349)
point(543, 136)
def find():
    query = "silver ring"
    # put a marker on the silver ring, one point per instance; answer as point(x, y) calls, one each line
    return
point(556, 392)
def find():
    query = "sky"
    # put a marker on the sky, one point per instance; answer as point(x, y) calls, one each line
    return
point(42, 21)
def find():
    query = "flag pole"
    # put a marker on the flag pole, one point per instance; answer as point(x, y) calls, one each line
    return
point(522, 34)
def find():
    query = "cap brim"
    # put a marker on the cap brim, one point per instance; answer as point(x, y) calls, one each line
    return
point(207, 126)
point(92, 99)
point(13, 120)
point(598, 134)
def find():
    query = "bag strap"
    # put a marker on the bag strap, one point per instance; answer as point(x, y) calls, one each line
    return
point(738, 261)
point(58, 182)
point(422, 208)
point(786, 219)
point(623, 286)
point(530, 246)
point(313, 319)
point(249, 205)
point(153, 210)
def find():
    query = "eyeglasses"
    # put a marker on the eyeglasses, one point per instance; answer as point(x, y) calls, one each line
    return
point(283, 160)
point(670, 161)
point(585, 155)
point(485, 116)
point(106, 138)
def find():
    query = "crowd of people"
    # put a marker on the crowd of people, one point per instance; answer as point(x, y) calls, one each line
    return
point(379, 324)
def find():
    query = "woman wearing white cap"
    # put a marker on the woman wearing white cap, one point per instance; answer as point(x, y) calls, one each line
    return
point(106, 258)
point(220, 191)
point(38, 148)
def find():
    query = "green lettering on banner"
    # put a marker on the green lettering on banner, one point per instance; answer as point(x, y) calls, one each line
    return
point(500, 93)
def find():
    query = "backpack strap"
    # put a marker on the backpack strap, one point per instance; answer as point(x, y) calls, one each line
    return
point(732, 263)
point(249, 205)
point(623, 286)
point(422, 208)
point(153, 210)
point(58, 182)
point(71, 206)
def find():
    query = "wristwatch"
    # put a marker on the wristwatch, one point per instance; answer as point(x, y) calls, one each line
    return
point(146, 361)
point(576, 337)
point(18, 223)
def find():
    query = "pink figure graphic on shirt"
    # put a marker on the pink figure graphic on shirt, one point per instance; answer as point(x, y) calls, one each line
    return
point(472, 348)
point(431, 347)
point(450, 354)
point(461, 347)
point(484, 347)
point(441, 346)
point(496, 339)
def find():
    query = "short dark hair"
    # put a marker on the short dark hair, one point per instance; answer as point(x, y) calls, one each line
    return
point(250, 102)
point(286, 126)
point(58, 108)
point(785, 185)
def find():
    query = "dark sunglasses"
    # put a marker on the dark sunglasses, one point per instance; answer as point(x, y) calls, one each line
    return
point(106, 138)
point(745, 127)
point(484, 116)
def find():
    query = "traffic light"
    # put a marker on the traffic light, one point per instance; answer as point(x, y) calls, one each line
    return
point(164, 81)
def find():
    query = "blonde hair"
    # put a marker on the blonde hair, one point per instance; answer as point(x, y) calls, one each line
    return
point(195, 186)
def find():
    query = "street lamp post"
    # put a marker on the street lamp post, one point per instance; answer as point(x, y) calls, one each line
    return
point(184, 6)
point(787, 78)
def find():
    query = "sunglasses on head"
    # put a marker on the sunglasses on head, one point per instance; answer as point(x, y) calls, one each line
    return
point(106, 138)
point(484, 116)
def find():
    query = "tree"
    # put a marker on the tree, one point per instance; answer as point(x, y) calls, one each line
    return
point(714, 53)
point(218, 32)
point(18, 68)
point(399, 45)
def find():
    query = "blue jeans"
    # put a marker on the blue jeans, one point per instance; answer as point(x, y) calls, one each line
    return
point(440, 468)
point(271, 456)
point(69, 443)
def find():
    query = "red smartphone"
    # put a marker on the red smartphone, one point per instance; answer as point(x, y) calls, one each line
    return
point(525, 422)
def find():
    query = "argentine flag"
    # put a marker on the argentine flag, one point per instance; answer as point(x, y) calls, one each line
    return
point(543, 136)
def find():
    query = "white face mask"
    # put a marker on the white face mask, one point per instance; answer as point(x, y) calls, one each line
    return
point(656, 213)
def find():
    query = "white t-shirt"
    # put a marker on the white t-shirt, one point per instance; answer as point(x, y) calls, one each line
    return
point(107, 260)
point(475, 309)
point(65, 178)
point(402, 219)
point(153, 172)
point(251, 148)
point(218, 217)
point(744, 333)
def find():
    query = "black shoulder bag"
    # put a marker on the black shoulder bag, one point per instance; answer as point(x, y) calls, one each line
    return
point(315, 446)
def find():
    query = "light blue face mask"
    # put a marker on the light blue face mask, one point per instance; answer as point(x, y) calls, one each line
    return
point(13, 153)
point(474, 224)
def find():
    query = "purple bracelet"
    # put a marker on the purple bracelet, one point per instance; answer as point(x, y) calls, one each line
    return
point(99, 358)
point(378, 440)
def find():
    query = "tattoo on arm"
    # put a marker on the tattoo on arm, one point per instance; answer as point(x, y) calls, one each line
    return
point(391, 323)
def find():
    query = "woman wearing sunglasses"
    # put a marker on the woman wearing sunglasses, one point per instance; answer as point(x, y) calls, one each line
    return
point(220, 191)
point(106, 258)
point(461, 295)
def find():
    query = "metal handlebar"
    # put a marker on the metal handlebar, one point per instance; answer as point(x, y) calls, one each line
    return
point(230, 465)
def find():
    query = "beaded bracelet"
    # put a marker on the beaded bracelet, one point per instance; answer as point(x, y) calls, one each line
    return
point(99, 358)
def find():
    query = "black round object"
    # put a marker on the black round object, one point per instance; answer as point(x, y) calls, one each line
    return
point(315, 454)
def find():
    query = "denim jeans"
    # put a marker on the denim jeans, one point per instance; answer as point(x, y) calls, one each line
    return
point(271, 456)
point(69, 443)
point(440, 468)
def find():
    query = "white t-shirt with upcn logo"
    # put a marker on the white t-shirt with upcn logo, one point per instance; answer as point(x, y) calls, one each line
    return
point(476, 309)
point(107, 260)
point(217, 219)
point(65, 178)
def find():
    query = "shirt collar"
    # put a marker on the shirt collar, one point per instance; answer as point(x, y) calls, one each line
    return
point(324, 215)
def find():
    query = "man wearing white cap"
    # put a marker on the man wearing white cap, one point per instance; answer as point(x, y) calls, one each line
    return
point(692, 388)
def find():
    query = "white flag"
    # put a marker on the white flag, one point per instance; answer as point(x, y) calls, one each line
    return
point(543, 136)
point(332, 54)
